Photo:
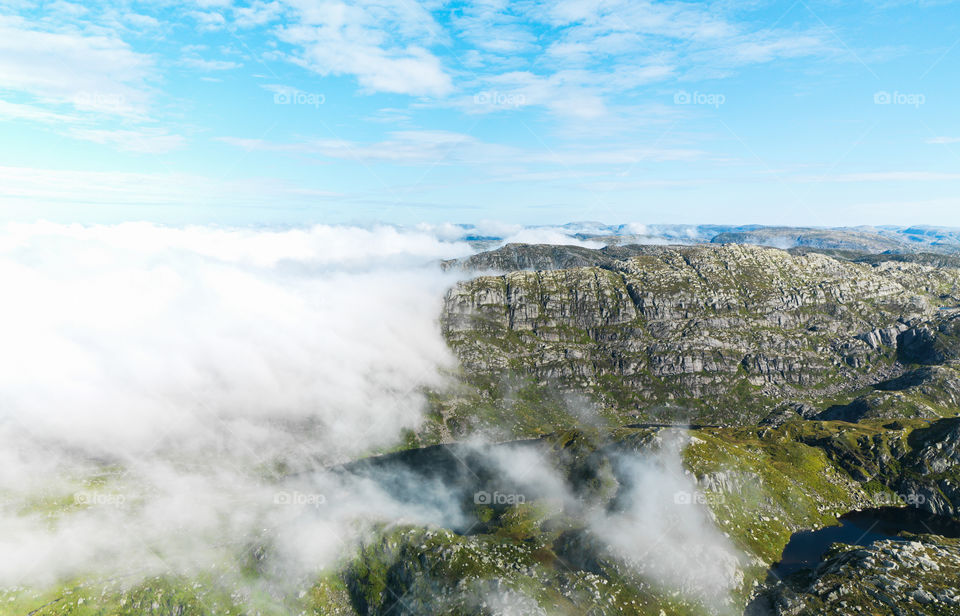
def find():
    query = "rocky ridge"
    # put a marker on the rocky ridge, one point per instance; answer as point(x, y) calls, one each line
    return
point(718, 333)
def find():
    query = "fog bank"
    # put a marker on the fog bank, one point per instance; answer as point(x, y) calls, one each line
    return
point(155, 382)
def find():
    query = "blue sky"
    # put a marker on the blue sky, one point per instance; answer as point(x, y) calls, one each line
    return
point(303, 111)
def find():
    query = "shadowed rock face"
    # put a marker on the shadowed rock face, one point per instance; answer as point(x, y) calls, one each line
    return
point(685, 325)
point(931, 343)
point(929, 391)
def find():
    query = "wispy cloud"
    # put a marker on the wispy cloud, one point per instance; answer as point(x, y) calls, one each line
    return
point(202, 64)
point(258, 13)
point(153, 141)
point(34, 113)
point(32, 186)
point(382, 45)
point(99, 73)
point(209, 20)
point(444, 147)
point(589, 52)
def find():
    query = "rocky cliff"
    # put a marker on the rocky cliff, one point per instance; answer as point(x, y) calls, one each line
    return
point(715, 332)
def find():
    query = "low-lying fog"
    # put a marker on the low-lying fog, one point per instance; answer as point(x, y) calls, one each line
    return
point(165, 392)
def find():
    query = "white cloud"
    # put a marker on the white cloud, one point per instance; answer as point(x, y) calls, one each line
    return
point(548, 235)
point(615, 27)
point(651, 530)
point(93, 72)
point(622, 185)
point(209, 20)
point(757, 48)
point(258, 13)
point(17, 111)
point(197, 359)
point(589, 51)
point(209, 4)
point(943, 140)
point(70, 189)
point(401, 146)
point(210, 65)
point(673, 543)
point(569, 93)
point(446, 147)
point(68, 8)
point(141, 21)
point(495, 29)
point(380, 44)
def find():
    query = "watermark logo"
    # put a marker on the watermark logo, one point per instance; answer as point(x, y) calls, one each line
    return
point(714, 99)
point(500, 99)
point(498, 498)
point(884, 97)
point(296, 97)
point(682, 497)
point(101, 101)
point(885, 499)
point(299, 498)
point(99, 499)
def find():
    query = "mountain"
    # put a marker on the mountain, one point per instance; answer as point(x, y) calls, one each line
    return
point(708, 333)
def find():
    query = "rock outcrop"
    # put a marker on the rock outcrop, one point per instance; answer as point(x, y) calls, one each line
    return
point(916, 576)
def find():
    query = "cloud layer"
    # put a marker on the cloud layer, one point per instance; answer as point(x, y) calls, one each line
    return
point(155, 380)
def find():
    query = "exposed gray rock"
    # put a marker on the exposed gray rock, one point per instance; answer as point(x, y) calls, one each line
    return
point(887, 577)
point(931, 343)
point(787, 411)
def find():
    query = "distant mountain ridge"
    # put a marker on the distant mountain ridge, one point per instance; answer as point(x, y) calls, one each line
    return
point(880, 239)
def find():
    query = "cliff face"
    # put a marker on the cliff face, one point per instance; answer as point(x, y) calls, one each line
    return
point(720, 330)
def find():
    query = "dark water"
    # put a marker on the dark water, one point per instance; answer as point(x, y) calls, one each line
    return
point(806, 548)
